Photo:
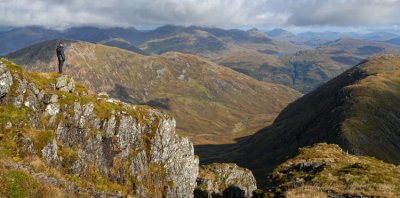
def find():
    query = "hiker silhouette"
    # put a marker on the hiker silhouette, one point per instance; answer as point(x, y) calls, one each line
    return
point(60, 56)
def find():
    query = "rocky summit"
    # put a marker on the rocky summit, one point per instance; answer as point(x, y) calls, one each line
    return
point(325, 170)
point(59, 141)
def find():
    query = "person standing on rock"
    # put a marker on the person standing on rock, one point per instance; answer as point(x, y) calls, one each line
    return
point(60, 56)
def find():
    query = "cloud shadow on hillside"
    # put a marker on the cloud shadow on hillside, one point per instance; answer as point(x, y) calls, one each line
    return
point(122, 92)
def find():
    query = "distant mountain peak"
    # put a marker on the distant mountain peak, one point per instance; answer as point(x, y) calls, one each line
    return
point(280, 33)
point(253, 30)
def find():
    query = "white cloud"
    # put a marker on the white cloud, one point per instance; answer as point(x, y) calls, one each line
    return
point(222, 13)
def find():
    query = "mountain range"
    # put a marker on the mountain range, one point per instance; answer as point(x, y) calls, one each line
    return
point(212, 103)
point(277, 56)
point(313, 39)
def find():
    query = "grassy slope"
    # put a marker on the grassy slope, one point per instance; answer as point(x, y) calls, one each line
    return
point(212, 104)
point(19, 183)
point(359, 110)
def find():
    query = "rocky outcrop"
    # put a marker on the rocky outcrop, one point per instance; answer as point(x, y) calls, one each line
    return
point(224, 180)
point(5, 80)
point(49, 152)
point(100, 140)
point(65, 83)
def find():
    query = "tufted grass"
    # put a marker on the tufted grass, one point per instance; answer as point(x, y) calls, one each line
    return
point(19, 184)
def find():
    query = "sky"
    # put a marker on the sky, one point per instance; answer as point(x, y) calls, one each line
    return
point(264, 14)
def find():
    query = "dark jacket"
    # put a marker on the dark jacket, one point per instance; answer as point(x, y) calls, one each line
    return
point(60, 53)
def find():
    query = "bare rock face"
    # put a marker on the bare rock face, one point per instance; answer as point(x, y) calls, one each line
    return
point(175, 153)
point(20, 91)
point(49, 152)
point(65, 83)
point(6, 80)
point(129, 146)
point(224, 180)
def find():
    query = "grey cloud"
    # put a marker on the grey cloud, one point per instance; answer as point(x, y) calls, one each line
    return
point(222, 13)
point(345, 12)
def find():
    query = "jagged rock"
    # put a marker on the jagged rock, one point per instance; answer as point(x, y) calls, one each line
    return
point(6, 80)
point(34, 88)
point(97, 151)
point(225, 180)
point(139, 164)
point(120, 134)
point(175, 153)
point(31, 101)
point(70, 135)
point(65, 83)
point(33, 118)
point(127, 134)
point(40, 95)
point(22, 84)
point(49, 152)
point(52, 109)
point(109, 126)
point(50, 98)
point(24, 145)
point(88, 109)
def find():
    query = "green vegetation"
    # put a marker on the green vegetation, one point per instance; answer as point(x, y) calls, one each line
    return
point(102, 183)
point(14, 181)
point(17, 117)
point(376, 99)
point(12, 120)
point(19, 184)
point(69, 156)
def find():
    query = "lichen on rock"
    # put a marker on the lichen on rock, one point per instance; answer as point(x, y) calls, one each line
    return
point(6, 80)
point(49, 152)
point(65, 83)
point(227, 180)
